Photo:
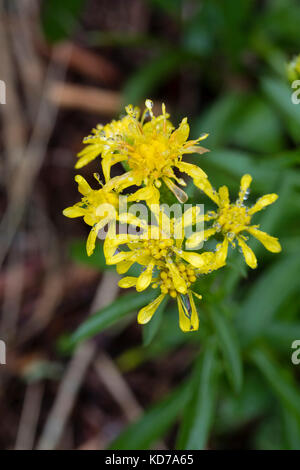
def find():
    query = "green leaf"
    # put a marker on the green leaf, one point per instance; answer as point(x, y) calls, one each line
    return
point(60, 18)
point(229, 347)
point(254, 401)
point(151, 328)
point(154, 423)
point(281, 335)
point(217, 119)
point(291, 429)
point(236, 163)
point(198, 414)
point(257, 127)
point(266, 295)
point(280, 380)
point(280, 94)
point(107, 316)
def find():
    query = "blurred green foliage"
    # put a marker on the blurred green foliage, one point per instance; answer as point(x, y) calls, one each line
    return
point(243, 377)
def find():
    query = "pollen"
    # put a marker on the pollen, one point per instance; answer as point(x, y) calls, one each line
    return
point(167, 286)
point(158, 249)
point(233, 219)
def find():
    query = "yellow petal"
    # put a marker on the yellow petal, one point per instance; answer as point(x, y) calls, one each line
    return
point(270, 243)
point(192, 258)
point(127, 282)
point(91, 240)
point(196, 239)
point(188, 218)
point(143, 194)
point(194, 316)
point(245, 183)
point(146, 313)
point(192, 170)
point(181, 134)
point(122, 181)
point(221, 253)
point(123, 266)
point(145, 278)
point(131, 219)
point(250, 257)
point(262, 202)
point(110, 160)
point(224, 196)
point(83, 186)
point(195, 149)
point(119, 257)
point(178, 192)
point(179, 283)
point(207, 188)
point(191, 216)
point(188, 317)
point(88, 154)
point(74, 211)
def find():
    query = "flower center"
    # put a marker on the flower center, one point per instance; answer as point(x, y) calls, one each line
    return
point(158, 249)
point(150, 155)
point(187, 273)
point(233, 219)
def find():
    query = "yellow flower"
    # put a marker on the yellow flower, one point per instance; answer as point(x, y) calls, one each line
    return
point(158, 249)
point(97, 207)
point(103, 140)
point(232, 220)
point(150, 150)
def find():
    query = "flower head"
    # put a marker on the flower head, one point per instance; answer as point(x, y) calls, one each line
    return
point(150, 150)
point(165, 265)
point(233, 219)
point(97, 207)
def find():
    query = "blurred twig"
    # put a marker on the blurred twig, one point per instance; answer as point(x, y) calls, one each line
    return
point(29, 417)
point(14, 283)
point(21, 25)
point(117, 386)
point(13, 119)
point(86, 98)
point(86, 62)
point(74, 375)
point(30, 164)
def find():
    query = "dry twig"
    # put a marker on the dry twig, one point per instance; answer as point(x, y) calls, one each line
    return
point(72, 380)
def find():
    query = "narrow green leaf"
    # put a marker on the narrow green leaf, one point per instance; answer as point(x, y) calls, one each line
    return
point(281, 95)
point(291, 429)
point(281, 335)
point(107, 316)
point(266, 295)
point(154, 423)
point(198, 414)
point(254, 401)
point(216, 120)
point(229, 347)
point(280, 380)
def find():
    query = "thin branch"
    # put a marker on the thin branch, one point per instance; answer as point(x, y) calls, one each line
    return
point(75, 373)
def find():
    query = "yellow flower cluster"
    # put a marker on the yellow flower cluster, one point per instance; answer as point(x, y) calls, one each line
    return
point(151, 150)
